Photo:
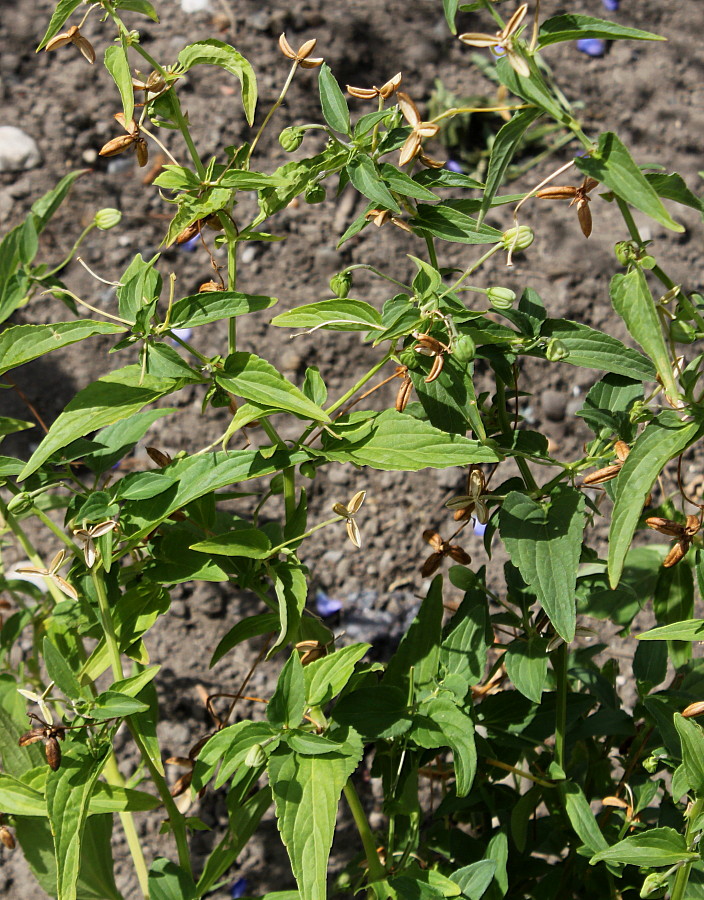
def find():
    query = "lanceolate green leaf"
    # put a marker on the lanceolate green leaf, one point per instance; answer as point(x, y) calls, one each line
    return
point(247, 542)
point(291, 590)
point(533, 89)
point(572, 27)
point(445, 221)
point(633, 301)
point(306, 792)
point(526, 664)
point(113, 397)
point(689, 630)
point(692, 738)
point(286, 705)
point(196, 476)
point(612, 165)
point(502, 151)
point(68, 793)
point(655, 847)
point(216, 53)
point(326, 677)
point(21, 343)
point(333, 315)
point(397, 441)
point(18, 799)
point(582, 818)
point(419, 650)
point(200, 309)
point(365, 176)
point(117, 64)
point(253, 378)
point(45, 207)
point(662, 440)
point(332, 101)
point(545, 545)
point(595, 350)
point(252, 626)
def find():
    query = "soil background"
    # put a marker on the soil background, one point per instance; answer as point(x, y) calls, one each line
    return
point(651, 94)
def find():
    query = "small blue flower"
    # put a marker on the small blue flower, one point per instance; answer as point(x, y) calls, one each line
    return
point(479, 529)
point(190, 244)
point(592, 46)
point(326, 606)
point(239, 888)
point(611, 5)
point(453, 166)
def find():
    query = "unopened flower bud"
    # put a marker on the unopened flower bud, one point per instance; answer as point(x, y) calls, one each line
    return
point(291, 138)
point(518, 238)
point(307, 469)
point(693, 710)
point(556, 350)
point(255, 757)
point(107, 218)
point(626, 252)
point(501, 297)
point(341, 283)
point(315, 193)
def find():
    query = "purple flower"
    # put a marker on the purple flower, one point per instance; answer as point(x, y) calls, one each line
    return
point(238, 888)
point(453, 166)
point(611, 5)
point(479, 529)
point(326, 606)
point(592, 46)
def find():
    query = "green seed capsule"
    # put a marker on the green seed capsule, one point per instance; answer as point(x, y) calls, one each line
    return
point(107, 218)
point(255, 757)
point(501, 297)
point(464, 350)
point(556, 350)
point(682, 332)
point(20, 504)
point(340, 284)
point(408, 358)
point(518, 239)
point(315, 193)
point(291, 138)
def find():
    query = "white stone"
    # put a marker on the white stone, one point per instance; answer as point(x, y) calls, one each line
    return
point(18, 151)
point(194, 6)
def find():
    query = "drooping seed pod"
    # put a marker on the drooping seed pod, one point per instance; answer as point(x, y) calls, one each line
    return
point(53, 753)
point(7, 838)
point(159, 457)
point(678, 552)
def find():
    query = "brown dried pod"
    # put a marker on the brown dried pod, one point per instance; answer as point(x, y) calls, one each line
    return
point(190, 231)
point(404, 394)
point(310, 651)
point(7, 837)
point(73, 36)
point(31, 737)
point(693, 710)
point(678, 552)
point(209, 286)
point(431, 565)
point(601, 475)
point(159, 457)
point(117, 145)
point(53, 753)
point(666, 526)
point(692, 526)
point(142, 152)
point(436, 369)
point(181, 784)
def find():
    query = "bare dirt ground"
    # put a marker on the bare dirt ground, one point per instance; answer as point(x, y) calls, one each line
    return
point(651, 94)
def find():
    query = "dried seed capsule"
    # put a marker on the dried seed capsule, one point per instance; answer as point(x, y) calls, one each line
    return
point(53, 753)
point(677, 553)
point(694, 709)
point(157, 456)
point(7, 837)
point(665, 526)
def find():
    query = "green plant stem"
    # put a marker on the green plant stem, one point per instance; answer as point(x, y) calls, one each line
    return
point(348, 395)
point(231, 234)
point(28, 548)
point(289, 476)
point(114, 776)
point(502, 413)
point(69, 256)
point(682, 877)
point(305, 534)
point(276, 105)
point(559, 662)
point(376, 869)
point(432, 255)
point(625, 211)
point(471, 269)
point(189, 348)
point(178, 824)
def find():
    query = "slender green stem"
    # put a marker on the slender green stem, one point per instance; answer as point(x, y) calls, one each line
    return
point(682, 877)
point(376, 869)
point(69, 256)
point(502, 414)
point(191, 350)
point(176, 818)
point(559, 662)
point(231, 233)
point(471, 269)
point(276, 105)
point(289, 476)
point(114, 776)
point(28, 548)
point(306, 534)
point(432, 255)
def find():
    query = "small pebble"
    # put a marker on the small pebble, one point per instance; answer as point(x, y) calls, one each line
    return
point(18, 151)
point(194, 6)
point(554, 405)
